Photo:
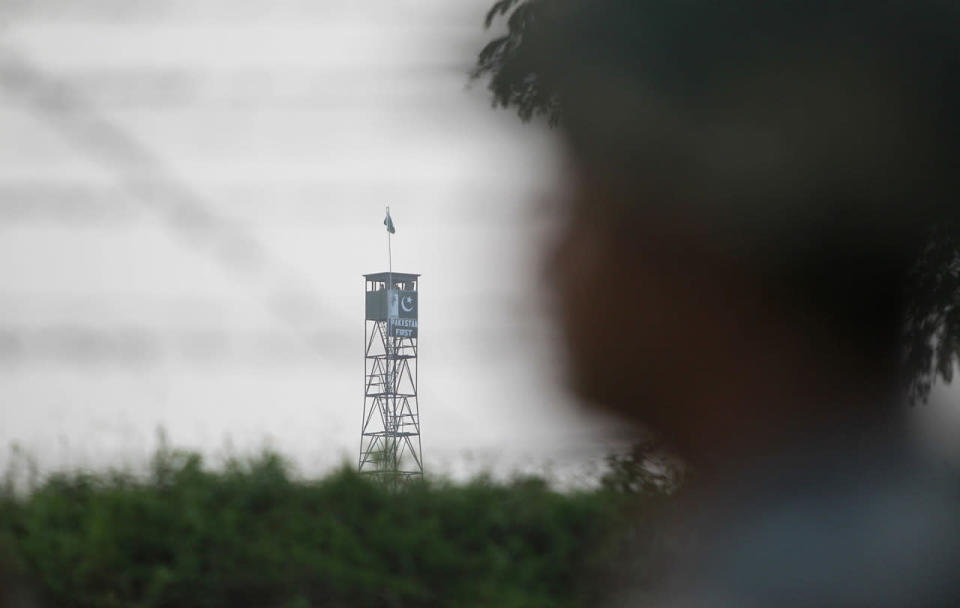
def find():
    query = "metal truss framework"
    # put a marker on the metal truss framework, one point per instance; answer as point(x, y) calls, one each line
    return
point(390, 432)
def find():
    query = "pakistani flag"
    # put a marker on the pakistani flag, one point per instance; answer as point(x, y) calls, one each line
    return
point(388, 222)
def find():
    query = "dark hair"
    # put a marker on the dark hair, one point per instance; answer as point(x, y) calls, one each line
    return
point(818, 137)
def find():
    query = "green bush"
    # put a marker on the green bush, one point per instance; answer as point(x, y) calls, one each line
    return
point(251, 534)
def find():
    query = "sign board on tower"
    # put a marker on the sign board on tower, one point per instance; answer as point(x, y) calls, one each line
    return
point(402, 314)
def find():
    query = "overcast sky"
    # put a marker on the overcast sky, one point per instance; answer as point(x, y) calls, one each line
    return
point(189, 194)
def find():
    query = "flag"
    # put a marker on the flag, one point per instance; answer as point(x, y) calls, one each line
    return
point(388, 222)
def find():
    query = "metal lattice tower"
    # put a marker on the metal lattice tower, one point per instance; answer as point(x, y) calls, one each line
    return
point(390, 432)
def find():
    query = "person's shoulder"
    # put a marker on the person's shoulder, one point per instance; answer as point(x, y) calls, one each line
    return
point(875, 532)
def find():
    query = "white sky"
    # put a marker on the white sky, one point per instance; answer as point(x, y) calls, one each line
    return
point(189, 194)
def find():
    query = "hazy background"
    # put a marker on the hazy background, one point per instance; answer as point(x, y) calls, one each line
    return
point(189, 193)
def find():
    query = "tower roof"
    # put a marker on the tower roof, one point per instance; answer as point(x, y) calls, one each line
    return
point(397, 276)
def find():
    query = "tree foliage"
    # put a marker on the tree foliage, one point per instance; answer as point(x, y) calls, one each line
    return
point(251, 534)
point(644, 470)
point(512, 60)
point(932, 328)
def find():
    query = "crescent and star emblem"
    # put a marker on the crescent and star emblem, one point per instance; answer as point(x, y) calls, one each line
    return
point(407, 304)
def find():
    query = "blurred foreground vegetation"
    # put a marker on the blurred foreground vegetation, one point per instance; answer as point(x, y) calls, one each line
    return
point(253, 534)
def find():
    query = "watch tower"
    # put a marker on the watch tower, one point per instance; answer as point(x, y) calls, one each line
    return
point(390, 431)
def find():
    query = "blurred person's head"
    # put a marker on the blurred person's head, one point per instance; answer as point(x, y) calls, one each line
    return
point(752, 183)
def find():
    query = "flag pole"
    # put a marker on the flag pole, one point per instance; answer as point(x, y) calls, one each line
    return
point(391, 365)
point(389, 254)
